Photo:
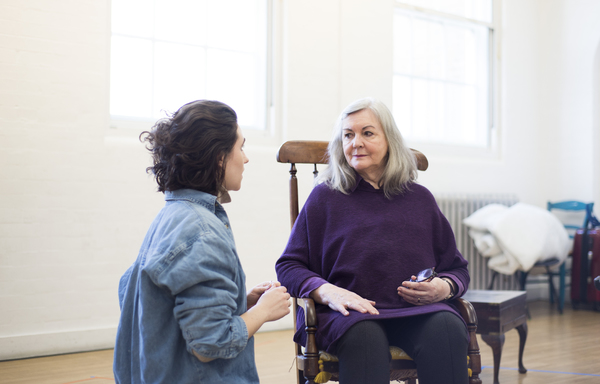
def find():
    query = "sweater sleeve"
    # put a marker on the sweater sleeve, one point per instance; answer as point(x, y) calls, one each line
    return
point(450, 261)
point(292, 267)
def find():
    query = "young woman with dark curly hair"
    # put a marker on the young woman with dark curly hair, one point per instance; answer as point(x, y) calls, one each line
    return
point(185, 314)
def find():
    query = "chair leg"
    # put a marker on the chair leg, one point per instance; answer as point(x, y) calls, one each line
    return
point(554, 295)
point(302, 380)
point(299, 377)
point(522, 277)
point(562, 287)
point(491, 285)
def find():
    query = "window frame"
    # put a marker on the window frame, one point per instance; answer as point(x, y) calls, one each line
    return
point(123, 129)
point(493, 148)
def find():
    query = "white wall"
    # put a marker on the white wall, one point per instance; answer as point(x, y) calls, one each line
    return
point(547, 57)
point(75, 200)
point(567, 70)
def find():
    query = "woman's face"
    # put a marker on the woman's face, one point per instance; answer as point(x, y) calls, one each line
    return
point(234, 166)
point(365, 144)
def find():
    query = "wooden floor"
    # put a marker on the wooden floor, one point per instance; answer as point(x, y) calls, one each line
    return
point(560, 349)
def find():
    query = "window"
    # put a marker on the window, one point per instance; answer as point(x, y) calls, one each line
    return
point(443, 73)
point(165, 53)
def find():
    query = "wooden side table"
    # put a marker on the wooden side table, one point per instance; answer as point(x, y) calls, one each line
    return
point(497, 313)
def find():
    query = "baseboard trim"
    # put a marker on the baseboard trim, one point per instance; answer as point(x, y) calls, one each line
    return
point(539, 289)
point(58, 343)
point(46, 344)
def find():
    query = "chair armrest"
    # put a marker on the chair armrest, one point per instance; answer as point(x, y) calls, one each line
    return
point(466, 310)
point(310, 314)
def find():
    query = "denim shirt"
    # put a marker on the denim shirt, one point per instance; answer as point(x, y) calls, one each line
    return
point(184, 293)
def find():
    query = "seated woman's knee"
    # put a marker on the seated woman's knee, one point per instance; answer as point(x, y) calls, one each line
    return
point(363, 334)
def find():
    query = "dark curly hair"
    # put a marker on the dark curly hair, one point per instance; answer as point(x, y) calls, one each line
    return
point(187, 148)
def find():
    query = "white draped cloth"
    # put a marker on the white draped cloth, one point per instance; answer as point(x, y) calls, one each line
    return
point(515, 238)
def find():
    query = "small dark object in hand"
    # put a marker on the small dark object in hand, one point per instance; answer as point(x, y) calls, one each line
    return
point(425, 275)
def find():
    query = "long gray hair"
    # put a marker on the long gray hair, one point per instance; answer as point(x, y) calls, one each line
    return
point(401, 165)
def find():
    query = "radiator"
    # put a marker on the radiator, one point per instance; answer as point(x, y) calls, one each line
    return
point(458, 207)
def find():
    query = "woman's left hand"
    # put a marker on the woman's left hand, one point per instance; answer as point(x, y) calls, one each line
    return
point(256, 292)
point(425, 292)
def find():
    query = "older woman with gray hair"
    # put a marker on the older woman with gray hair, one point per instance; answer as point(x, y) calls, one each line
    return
point(373, 250)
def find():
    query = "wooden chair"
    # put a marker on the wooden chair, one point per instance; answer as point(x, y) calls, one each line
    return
point(310, 365)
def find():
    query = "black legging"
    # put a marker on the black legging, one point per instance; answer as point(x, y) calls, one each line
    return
point(437, 342)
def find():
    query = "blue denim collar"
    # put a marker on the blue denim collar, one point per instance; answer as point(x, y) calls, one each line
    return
point(205, 199)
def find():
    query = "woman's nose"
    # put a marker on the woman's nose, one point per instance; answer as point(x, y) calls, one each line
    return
point(357, 142)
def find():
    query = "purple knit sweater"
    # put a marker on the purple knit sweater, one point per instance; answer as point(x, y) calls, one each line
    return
point(367, 244)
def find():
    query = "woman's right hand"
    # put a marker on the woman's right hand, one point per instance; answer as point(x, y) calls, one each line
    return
point(272, 305)
point(275, 302)
point(340, 299)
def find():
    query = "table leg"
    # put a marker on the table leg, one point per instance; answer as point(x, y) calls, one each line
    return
point(522, 329)
point(496, 342)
